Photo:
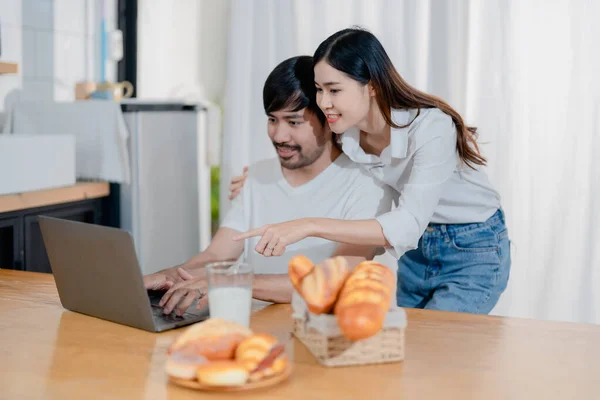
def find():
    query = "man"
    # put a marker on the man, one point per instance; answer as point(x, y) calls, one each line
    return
point(310, 178)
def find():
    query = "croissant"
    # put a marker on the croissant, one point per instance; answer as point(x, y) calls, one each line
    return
point(321, 285)
point(298, 267)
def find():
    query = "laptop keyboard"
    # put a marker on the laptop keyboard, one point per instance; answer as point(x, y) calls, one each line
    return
point(157, 313)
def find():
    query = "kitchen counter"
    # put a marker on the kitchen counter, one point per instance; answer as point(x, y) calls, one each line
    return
point(21, 242)
point(42, 198)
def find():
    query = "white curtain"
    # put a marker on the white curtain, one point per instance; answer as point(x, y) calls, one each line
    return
point(262, 34)
point(533, 89)
point(522, 72)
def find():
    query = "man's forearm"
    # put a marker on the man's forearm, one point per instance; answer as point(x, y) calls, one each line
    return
point(195, 264)
point(221, 248)
point(275, 288)
point(199, 261)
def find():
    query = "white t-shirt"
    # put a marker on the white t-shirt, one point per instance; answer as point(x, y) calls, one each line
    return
point(342, 191)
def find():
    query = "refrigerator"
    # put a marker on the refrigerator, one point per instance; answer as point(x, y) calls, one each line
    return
point(166, 207)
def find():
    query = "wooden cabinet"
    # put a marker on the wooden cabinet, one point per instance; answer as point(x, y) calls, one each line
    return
point(11, 243)
point(21, 243)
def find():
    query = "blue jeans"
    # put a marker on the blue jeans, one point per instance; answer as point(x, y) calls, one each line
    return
point(458, 267)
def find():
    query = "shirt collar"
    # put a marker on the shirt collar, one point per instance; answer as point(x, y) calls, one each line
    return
point(397, 148)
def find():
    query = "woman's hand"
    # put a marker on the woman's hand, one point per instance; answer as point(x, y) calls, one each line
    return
point(237, 183)
point(275, 237)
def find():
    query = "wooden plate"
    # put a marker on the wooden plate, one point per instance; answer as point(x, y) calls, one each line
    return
point(274, 380)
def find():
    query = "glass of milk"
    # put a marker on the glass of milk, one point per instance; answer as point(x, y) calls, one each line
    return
point(230, 291)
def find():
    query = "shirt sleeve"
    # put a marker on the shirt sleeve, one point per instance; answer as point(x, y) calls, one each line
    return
point(433, 165)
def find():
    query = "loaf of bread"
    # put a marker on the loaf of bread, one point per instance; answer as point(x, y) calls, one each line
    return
point(262, 356)
point(298, 267)
point(365, 300)
point(214, 339)
point(320, 288)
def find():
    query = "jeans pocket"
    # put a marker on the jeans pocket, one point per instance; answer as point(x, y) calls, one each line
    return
point(479, 240)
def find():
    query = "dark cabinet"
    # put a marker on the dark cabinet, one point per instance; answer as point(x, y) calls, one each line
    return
point(11, 243)
point(21, 243)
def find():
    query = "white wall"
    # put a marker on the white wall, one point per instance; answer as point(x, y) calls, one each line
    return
point(182, 49)
point(76, 45)
point(55, 45)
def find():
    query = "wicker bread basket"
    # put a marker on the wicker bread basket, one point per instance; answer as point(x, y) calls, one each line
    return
point(323, 338)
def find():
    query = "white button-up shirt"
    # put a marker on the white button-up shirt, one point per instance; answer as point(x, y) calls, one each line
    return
point(432, 184)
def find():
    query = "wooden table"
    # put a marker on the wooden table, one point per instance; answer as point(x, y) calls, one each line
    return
point(48, 352)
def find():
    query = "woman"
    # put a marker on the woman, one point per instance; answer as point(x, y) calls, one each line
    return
point(448, 230)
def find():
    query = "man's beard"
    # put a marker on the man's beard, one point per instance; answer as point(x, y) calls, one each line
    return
point(299, 159)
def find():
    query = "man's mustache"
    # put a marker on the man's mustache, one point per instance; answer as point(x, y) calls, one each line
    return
point(286, 146)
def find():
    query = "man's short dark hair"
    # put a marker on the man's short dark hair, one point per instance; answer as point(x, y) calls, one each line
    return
point(291, 86)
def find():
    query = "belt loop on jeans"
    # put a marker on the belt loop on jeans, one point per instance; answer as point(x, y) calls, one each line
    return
point(500, 213)
point(444, 230)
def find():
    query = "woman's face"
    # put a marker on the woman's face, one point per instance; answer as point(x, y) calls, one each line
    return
point(344, 101)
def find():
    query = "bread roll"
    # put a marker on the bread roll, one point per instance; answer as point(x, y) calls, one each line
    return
point(215, 339)
point(262, 356)
point(298, 267)
point(222, 373)
point(320, 288)
point(183, 365)
point(252, 350)
point(365, 300)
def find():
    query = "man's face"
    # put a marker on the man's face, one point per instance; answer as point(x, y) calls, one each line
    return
point(298, 137)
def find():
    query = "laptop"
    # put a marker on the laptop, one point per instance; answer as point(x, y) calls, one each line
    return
point(97, 273)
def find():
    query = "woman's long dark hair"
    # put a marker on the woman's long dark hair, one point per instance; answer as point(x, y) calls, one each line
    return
point(359, 54)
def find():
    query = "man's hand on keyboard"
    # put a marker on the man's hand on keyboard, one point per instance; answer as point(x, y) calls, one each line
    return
point(182, 294)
